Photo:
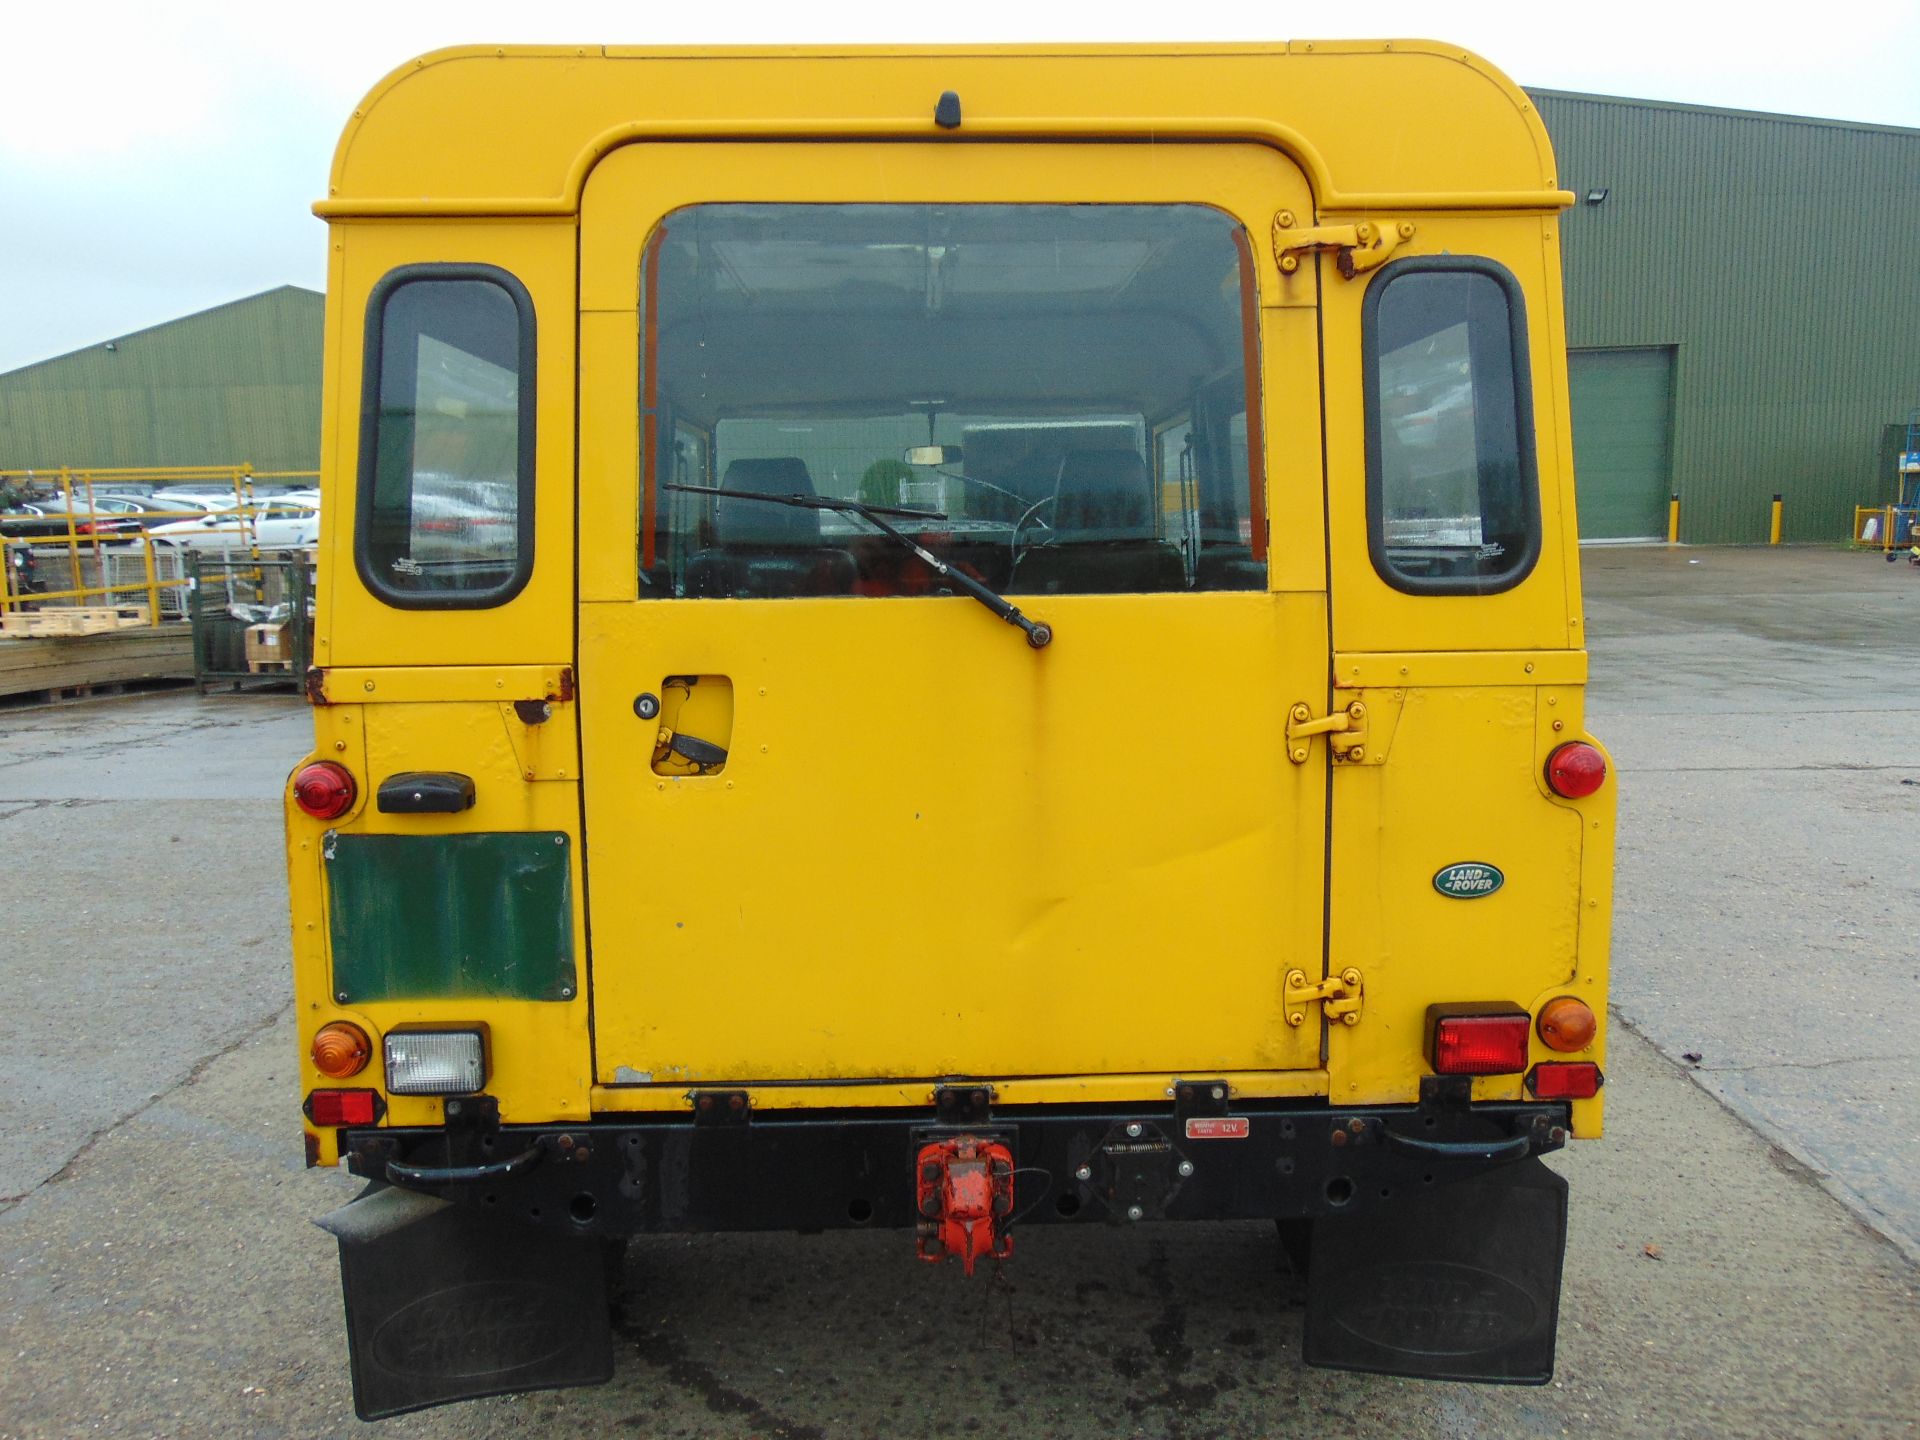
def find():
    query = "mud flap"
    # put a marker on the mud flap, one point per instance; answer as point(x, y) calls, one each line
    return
point(1461, 1282)
point(445, 1303)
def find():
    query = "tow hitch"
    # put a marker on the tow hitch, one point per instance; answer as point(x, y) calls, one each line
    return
point(965, 1194)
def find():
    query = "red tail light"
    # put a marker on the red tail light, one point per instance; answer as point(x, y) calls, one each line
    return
point(324, 790)
point(1483, 1044)
point(1576, 769)
point(1565, 1080)
point(331, 1108)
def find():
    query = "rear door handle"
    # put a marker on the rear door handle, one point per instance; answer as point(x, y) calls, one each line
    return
point(425, 792)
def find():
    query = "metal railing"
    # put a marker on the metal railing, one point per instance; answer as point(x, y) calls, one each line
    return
point(120, 568)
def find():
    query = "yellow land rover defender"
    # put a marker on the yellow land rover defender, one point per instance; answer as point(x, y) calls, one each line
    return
point(916, 637)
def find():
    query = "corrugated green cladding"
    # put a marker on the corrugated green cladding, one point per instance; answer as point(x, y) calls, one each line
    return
point(1782, 257)
point(237, 383)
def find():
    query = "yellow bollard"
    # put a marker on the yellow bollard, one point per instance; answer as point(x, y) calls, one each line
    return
point(153, 580)
point(1773, 529)
point(1673, 521)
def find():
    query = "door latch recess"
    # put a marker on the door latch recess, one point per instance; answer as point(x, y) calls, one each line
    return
point(1338, 996)
point(1356, 248)
point(1346, 731)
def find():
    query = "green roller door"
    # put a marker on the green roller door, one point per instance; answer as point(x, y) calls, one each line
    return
point(1622, 441)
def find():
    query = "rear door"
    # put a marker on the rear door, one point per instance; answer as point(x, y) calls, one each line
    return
point(842, 825)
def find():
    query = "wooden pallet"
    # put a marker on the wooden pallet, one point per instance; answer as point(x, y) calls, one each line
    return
point(72, 620)
point(53, 664)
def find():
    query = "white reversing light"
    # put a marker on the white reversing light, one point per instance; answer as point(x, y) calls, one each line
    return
point(435, 1062)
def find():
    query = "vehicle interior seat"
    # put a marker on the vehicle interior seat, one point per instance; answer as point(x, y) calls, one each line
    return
point(762, 551)
point(1228, 566)
point(1101, 540)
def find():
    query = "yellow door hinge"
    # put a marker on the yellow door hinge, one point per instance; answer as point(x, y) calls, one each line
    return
point(1359, 247)
point(1346, 731)
point(1338, 996)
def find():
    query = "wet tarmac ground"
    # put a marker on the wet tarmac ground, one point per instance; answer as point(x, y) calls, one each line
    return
point(1764, 711)
point(158, 1274)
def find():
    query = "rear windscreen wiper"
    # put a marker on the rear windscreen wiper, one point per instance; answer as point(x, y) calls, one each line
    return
point(1039, 634)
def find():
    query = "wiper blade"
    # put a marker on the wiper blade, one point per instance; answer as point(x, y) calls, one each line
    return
point(1039, 634)
point(809, 502)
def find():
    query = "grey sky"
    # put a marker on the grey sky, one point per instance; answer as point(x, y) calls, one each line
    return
point(155, 160)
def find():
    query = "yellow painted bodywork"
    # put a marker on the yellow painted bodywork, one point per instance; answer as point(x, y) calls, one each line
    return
point(1075, 874)
point(935, 851)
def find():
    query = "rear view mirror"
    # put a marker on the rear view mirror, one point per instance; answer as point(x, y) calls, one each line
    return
point(933, 455)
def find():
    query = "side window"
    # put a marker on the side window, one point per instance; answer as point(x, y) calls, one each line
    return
point(446, 438)
point(1453, 501)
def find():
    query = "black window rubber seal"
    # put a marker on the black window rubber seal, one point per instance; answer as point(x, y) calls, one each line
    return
point(1529, 478)
point(373, 360)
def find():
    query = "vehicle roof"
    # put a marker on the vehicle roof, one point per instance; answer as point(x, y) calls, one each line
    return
point(1375, 125)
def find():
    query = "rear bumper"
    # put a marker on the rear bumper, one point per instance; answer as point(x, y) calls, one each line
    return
point(1435, 1251)
point(824, 1170)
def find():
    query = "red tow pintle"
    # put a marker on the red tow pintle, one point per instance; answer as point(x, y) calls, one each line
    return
point(964, 1188)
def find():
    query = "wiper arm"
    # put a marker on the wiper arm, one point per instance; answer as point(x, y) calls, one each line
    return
point(809, 502)
point(1039, 634)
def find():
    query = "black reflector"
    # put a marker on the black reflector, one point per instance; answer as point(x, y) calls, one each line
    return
point(1460, 1282)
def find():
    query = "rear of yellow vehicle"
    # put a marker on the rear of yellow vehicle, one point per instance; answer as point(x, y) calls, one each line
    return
point(916, 639)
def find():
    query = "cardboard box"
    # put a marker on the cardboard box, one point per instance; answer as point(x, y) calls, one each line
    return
point(269, 647)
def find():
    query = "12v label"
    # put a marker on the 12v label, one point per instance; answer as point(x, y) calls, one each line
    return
point(1469, 880)
point(1219, 1127)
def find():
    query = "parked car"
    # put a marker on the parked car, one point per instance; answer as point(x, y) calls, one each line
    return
point(204, 498)
point(49, 517)
point(144, 512)
point(274, 526)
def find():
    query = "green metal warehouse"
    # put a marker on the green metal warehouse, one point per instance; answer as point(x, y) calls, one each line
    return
point(237, 384)
point(1743, 308)
point(1743, 311)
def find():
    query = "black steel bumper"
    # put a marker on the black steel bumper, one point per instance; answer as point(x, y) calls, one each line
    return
point(478, 1264)
point(822, 1170)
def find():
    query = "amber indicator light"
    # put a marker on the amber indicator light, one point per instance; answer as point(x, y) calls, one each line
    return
point(1566, 1024)
point(341, 1050)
